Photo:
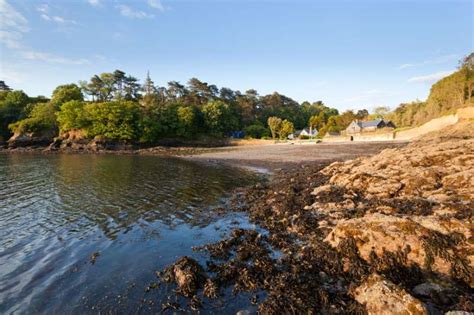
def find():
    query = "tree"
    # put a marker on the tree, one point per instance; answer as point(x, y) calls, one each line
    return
point(150, 96)
point(72, 116)
point(467, 67)
point(316, 122)
point(381, 111)
point(256, 131)
point(176, 90)
point(274, 123)
point(286, 128)
point(13, 107)
point(131, 88)
point(218, 117)
point(362, 114)
point(41, 118)
point(117, 120)
point(66, 93)
point(119, 79)
point(188, 121)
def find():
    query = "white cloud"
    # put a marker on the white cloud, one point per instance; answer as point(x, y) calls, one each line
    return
point(434, 61)
point(45, 15)
point(430, 78)
point(11, 39)
point(156, 4)
point(12, 19)
point(133, 14)
point(94, 3)
point(43, 8)
point(12, 27)
point(41, 56)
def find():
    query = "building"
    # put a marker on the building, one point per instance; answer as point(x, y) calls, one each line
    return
point(357, 126)
point(305, 132)
point(4, 87)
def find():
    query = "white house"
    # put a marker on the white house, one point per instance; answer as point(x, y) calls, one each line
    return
point(304, 132)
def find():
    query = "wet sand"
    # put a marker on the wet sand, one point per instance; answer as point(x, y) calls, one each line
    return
point(277, 156)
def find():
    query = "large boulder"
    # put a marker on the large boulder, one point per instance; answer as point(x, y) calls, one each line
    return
point(381, 296)
point(434, 243)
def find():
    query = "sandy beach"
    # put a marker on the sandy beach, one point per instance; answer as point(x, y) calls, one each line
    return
point(281, 155)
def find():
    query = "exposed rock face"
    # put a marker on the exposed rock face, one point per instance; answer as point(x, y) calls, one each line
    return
point(381, 296)
point(444, 172)
point(418, 199)
point(31, 139)
point(77, 141)
point(389, 234)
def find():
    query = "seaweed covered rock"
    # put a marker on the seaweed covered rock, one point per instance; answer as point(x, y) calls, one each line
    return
point(428, 247)
point(388, 234)
point(187, 274)
point(381, 296)
point(442, 172)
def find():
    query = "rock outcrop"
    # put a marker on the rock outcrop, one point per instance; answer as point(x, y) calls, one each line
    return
point(388, 234)
point(381, 296)
point(31, 139)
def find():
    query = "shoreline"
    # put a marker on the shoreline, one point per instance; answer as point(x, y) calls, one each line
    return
point(348, 235)
point(266, 157)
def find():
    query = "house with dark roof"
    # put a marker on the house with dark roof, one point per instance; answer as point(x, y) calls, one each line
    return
point(357, 126)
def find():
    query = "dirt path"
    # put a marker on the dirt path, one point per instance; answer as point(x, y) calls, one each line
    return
point(275, 156)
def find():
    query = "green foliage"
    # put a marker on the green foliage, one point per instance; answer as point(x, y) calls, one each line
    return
point(13, 106)
point(274, 123)
point(446, 96)
point(286, 128)
point(66, 93)
point(118, 120)
point(381, 111)
point(218, 118)
point(188, 117)
point(41, 118)
point(72, 116)
point(256, 131)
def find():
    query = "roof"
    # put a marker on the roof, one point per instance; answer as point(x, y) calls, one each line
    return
point(370, 123)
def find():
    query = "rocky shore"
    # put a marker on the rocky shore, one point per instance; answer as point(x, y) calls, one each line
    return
point(386, 234)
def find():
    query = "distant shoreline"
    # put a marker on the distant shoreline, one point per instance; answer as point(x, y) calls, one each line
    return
point(258, 156)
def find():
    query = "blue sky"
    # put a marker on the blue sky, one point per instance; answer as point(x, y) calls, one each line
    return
point(349, 54)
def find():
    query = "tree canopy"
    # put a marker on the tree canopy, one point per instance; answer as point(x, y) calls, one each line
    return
point(114, 105)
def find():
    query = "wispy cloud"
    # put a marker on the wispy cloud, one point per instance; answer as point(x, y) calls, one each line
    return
point(44, 11)
point(433, 61)
point(94, 3)
point(41, 56)
point(13, 25)
point(129, 12)
point(156, 4)
point(430, 78)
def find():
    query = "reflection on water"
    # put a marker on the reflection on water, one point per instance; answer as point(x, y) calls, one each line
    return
point(139, 213)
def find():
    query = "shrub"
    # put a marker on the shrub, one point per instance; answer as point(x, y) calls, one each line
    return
point(256, 131)
point(72, 116)
point(117, 120)
point(41, 118)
